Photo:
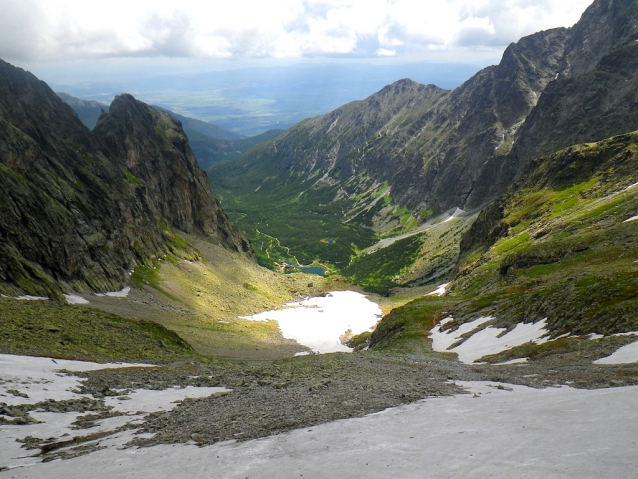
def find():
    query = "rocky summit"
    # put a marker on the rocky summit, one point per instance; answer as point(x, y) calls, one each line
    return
point(81, 209)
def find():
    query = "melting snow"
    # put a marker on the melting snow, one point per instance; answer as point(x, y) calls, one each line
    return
point(486, 341)
point(319, 322)
point(561, 433)
point(75, 299)
point(440, 291)
point(40, 379)
point(624, 355)
point(149, 400)
point(443, 340)
point(123, 293)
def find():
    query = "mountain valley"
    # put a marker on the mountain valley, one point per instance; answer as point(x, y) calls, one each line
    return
point(410, 152)
point(492, 228)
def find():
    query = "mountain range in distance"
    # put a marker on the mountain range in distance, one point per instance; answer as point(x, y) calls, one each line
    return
point(210, 143)
point(518, 187)
point(251, 101)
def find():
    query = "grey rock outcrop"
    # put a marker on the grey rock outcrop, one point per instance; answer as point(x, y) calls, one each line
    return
point(81, 209)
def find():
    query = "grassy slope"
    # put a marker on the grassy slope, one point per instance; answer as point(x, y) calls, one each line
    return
point(416, 260)
point(47, 328)
point(561, 250)
point(203, 300)
point(303, 190)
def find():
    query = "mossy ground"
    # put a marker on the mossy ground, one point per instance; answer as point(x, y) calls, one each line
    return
point(48, 328)
point(567, 254)
point(423, 258)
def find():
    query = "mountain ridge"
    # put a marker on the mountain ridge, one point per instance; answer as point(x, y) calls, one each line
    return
point(75, 215)
point(459, 148)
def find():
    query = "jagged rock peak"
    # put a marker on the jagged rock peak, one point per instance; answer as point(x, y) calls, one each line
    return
point(80, 209)
point(154, 148)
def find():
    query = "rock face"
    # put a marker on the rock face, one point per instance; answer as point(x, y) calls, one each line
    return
point(438, 149)
point(81, 209)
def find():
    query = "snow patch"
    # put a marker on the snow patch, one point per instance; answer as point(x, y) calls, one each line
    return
point(75, 299)
point(319, 322)
point(150, 400)
point(633, 218)
point(488, 340)
point(439, 291)
point(441, 340)
point(40, 379)
point(123, 293)
point(26, 297)
point(624, 355)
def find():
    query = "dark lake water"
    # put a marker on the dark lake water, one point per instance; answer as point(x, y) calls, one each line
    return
point(318, 270)
point(313, 270)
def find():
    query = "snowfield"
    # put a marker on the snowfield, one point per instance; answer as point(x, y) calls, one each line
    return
point(320, 322)
point(37, 379)
point(514, 432)
point(624, 355)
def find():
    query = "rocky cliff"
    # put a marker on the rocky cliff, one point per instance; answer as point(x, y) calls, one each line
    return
point(439, 149)
point(81, 209)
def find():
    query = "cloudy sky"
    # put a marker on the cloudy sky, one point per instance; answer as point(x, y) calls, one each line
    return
point(54, 30)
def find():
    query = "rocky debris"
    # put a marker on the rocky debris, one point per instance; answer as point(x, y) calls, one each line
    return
point(308, 390)
point(20, 413)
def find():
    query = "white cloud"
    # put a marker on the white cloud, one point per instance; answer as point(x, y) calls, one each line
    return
point(384, 52)
point(77, 29)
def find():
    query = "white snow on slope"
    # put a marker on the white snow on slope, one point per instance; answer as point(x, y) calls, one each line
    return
point(558, 433)
point(486, 341)
point(319, 322)
point(624, 355)
point(75, 299)
point(633, 218)
point(150, 400)
point(123, 293)
point(40, 379)
point(441, 340)
point(439, 291)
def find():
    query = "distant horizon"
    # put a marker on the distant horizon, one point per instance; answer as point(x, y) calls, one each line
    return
point(252, 100)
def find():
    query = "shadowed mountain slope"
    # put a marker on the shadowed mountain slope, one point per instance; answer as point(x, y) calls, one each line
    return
point(81, 209)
